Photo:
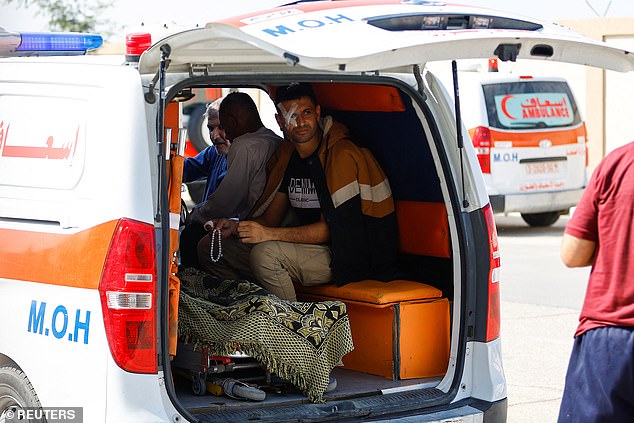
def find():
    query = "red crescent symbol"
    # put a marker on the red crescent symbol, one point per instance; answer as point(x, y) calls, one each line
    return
point(503, 106)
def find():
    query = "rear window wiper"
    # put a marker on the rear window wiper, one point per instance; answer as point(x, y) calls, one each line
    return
point(522, 125)
point(529, 125)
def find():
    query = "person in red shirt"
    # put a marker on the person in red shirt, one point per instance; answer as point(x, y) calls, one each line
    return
point(600, 379)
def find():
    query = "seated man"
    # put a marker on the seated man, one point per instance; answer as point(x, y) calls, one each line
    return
point(252, 145)
point(347, 224)
point(211, 165)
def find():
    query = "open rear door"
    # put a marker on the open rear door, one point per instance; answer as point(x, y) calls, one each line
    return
point(356, 36)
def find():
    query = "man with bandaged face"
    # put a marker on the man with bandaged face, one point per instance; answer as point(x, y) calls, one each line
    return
point(345, 221)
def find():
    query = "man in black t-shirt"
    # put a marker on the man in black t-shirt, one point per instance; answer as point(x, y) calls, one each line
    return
point(298, 185)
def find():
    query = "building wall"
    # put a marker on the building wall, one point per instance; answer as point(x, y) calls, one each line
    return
point(609, 95)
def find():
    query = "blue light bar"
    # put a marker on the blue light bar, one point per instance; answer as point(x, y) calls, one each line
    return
point(59, 42)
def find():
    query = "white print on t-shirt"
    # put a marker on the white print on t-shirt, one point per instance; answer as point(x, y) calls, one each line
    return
point(302, 193)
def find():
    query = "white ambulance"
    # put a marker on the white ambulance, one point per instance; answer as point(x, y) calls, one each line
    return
point(530, 140)
point(90, 149)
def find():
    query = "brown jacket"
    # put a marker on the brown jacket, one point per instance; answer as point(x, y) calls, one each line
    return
point(356, 202)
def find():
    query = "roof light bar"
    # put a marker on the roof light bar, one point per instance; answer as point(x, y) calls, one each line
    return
point(135, 44)
point(68, 41)
point(47, 43)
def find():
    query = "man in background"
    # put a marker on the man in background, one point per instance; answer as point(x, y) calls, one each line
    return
point(600, 380)
point(210, 165)
point(252, 144)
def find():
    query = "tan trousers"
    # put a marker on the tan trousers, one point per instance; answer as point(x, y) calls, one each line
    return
point(275, 265)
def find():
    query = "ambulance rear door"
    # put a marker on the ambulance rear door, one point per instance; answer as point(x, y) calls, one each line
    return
point(537, 136)
point(376, 36)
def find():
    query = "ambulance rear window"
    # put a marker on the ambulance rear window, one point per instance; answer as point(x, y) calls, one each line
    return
point(530, 105)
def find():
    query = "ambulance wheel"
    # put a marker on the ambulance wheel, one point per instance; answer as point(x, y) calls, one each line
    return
point(195, 126)
point(16, 393)
point(199, 385)
point(541, 219)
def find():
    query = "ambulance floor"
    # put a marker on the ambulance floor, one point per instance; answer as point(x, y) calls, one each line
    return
point(349, 384)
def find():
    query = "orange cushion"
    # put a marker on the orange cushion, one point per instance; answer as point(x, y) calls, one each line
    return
point(423, 228)
point(355, 97)
point(375, 292)
point(358, 97)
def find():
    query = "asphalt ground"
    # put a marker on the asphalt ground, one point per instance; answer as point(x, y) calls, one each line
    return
point(541, 300)
point(536, 345)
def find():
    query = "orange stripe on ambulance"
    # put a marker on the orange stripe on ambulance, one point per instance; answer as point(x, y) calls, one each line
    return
point(59, 322)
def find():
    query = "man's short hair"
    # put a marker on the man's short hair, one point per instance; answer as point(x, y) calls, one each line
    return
point(239, 102)
point(294, 91)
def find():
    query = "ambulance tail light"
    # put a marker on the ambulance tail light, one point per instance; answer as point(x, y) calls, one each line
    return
point(482, 143)
point(128, 292)
point(493, 309)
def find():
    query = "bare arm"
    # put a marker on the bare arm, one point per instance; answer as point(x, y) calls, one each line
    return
point(274, 213)
point(577, 252)
point(270, 218)
point(265, 227)
point(252, 232)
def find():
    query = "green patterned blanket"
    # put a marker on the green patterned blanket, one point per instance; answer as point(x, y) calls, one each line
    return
point(299, 342)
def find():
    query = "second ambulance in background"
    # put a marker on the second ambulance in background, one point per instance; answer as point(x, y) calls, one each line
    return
point(530, 139)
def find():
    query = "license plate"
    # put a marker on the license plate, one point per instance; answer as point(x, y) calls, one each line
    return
point(542, 168)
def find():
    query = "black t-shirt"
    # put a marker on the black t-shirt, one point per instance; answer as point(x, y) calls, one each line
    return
point(300, 188)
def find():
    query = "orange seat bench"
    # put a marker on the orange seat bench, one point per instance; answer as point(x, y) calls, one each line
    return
point(400, 328)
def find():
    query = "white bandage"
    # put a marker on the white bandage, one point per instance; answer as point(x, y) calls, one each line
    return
point(289, 116)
